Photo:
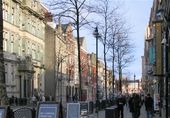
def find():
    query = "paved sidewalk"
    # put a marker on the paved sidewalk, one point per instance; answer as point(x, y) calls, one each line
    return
point(127, 114)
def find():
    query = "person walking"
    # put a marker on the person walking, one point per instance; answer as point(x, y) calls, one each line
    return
point(120, 104)
point(142, 99)
point(34, 100)
point(135, 105)
point(149, 105)
point(43, 98)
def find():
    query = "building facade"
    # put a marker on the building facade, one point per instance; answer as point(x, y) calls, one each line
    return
point(23, 42)
point(156, 57)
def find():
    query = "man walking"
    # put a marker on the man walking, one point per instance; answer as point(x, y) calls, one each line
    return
point(120, 105)
point(135, 105)
point(149, 104)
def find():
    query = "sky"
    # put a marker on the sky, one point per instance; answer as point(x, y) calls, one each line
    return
point(137, 13)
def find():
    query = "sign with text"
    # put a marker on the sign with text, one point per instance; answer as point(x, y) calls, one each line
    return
point(48, 110)
point(2, 112)
point(73, 110)
point(84, 108)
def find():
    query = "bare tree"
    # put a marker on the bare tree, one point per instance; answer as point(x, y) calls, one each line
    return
point(116, 26)
point(77, 12)
point(3, 93)
point(123, 52)
point(106, 11)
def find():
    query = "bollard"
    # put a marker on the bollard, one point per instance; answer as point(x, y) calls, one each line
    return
point(33, 112)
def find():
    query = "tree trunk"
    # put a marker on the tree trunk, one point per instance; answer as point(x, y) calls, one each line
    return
point(113, 64)
point(79, 61)
point(105, 63)
point(120, 79)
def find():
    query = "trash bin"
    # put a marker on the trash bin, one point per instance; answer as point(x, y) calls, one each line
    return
point(91, 107)
point(111, 112)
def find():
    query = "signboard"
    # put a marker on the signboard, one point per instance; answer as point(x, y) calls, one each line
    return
point(83, 108)
point(156, 102)
point(48, 110)
point(2, 112)
point(73, 110)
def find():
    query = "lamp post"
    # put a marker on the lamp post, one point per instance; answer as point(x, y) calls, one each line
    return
point(61, 77)
point(96, 35)
point(134, 82)
point(164, 42)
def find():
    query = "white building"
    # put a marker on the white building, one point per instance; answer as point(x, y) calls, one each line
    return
point(23, 45)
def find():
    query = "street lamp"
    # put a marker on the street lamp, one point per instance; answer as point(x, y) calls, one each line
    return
point(96, 35)
point(134, 82)
point(164, 42)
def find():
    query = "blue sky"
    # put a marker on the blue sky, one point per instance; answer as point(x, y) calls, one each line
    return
point(137, 14)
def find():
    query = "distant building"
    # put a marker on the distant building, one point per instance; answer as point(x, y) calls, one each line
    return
point(132, 86)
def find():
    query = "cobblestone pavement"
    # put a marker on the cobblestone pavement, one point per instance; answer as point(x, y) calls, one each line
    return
point(127, 114)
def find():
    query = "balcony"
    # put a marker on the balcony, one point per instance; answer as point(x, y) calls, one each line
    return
point(25, 65)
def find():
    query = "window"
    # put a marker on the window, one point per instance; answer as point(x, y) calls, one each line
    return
point(20, 20)
point(12, 15)
point(33, 51)
point(5, 10)
point(12, 43)
point(28, 27)
point(19, 47)
point(38, 52)
point(33, 28)
point(33, 4)
point(28, 48)
point(6, 73)
point(5, 41)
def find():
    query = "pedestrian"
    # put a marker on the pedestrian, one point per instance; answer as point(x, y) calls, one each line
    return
point(149, 105)
point(120, 104)
point(50, 98)
point(34, 100)
point(43, 98)
point(135, 105)
point(142, 99)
